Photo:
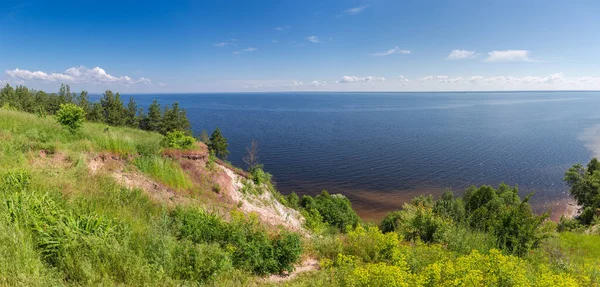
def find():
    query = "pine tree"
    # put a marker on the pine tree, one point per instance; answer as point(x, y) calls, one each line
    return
point(218, 144)
point(131, 119)
point(84, 102)
point(175, 118)
point(113, 110)
point(153, 120)
point(96, 113)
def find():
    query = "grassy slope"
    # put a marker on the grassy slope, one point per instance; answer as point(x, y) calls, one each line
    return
point(144, 251)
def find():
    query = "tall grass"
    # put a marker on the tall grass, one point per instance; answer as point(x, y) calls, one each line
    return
point(164, 170)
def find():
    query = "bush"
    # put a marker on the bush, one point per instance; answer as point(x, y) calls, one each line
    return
point(250, 246)
point(259, 176)
point(335, 210)
point(178, 139)
point(70, 116)
point(199, 262)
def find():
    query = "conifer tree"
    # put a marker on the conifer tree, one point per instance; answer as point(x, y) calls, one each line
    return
point(131, 119)
point(113, 110)
point(218, 144)
point(153, 120)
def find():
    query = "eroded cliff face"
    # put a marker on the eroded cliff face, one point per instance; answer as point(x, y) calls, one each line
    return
point(217, 187)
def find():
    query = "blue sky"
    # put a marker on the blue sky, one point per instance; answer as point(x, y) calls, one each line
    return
point(253, 46)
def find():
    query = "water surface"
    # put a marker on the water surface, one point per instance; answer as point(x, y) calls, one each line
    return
point(381, 149)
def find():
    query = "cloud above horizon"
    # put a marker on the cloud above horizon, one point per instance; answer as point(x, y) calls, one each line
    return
point(509, 56)
point(313, 39)
point(461, 54)
point(230, 42)
point(247, 50)
point(355, 10)
point(79, 74)
point(394, 50)
point(354, 79)
point(281, 28)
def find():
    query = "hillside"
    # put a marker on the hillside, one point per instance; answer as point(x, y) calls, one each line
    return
point(111, 206)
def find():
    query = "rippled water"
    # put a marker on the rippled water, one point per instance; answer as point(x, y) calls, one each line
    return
point(381, 149)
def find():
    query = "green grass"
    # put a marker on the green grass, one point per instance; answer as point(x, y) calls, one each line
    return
point(164, 170)
point(62, 226)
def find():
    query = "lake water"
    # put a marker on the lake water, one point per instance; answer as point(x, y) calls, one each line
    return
point(382, 149)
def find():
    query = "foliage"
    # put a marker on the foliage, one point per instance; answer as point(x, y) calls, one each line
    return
point(70, 116)
point(335, 210)
point(250, 246)
point(483, 214)
point(113, 110)
point(174, 119)
point(110, 109)
point(218, 144)
point(584, 183)
point(259, 176)
point(178, 139)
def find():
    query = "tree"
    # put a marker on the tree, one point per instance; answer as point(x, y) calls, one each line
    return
point(84, 102)
point(96, 113)
point(152, 122)
point(218, 144)
point(131, 118)
point(584, 183)
point(173, 119)
point(24, 100)
point(113, 110)
point(251, 157)
point(70, 116)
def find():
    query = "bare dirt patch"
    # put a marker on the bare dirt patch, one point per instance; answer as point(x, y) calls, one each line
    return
point(115, 167)
point(268, 209)
point(309, 264)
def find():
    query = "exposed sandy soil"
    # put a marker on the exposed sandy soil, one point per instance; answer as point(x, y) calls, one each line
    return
point(309, 264)
point(268, 209)
point(222, 180)
point(115, 167)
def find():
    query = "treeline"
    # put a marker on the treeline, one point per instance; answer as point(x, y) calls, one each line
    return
point(110, 109)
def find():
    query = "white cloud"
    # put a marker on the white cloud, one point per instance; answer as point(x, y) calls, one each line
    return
point(79, 74)
point(461, 54)
point(509, 56)
point(231, 42)
point(318, 83)
point(282, 28)
point(403, 80)
point(313, 39)
point(528, 80)
point(247, 50)
point(354, 79)
point(355, 10)
point(395, 50)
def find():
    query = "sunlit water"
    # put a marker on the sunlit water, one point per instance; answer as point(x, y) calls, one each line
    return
point(381, 149)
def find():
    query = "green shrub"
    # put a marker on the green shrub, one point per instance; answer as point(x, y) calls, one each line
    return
point(199, 262)
point(335, 210)
point(251, 247)
point(420, 222)
point(259, 176)
point(70, 116)
point(178, 139)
